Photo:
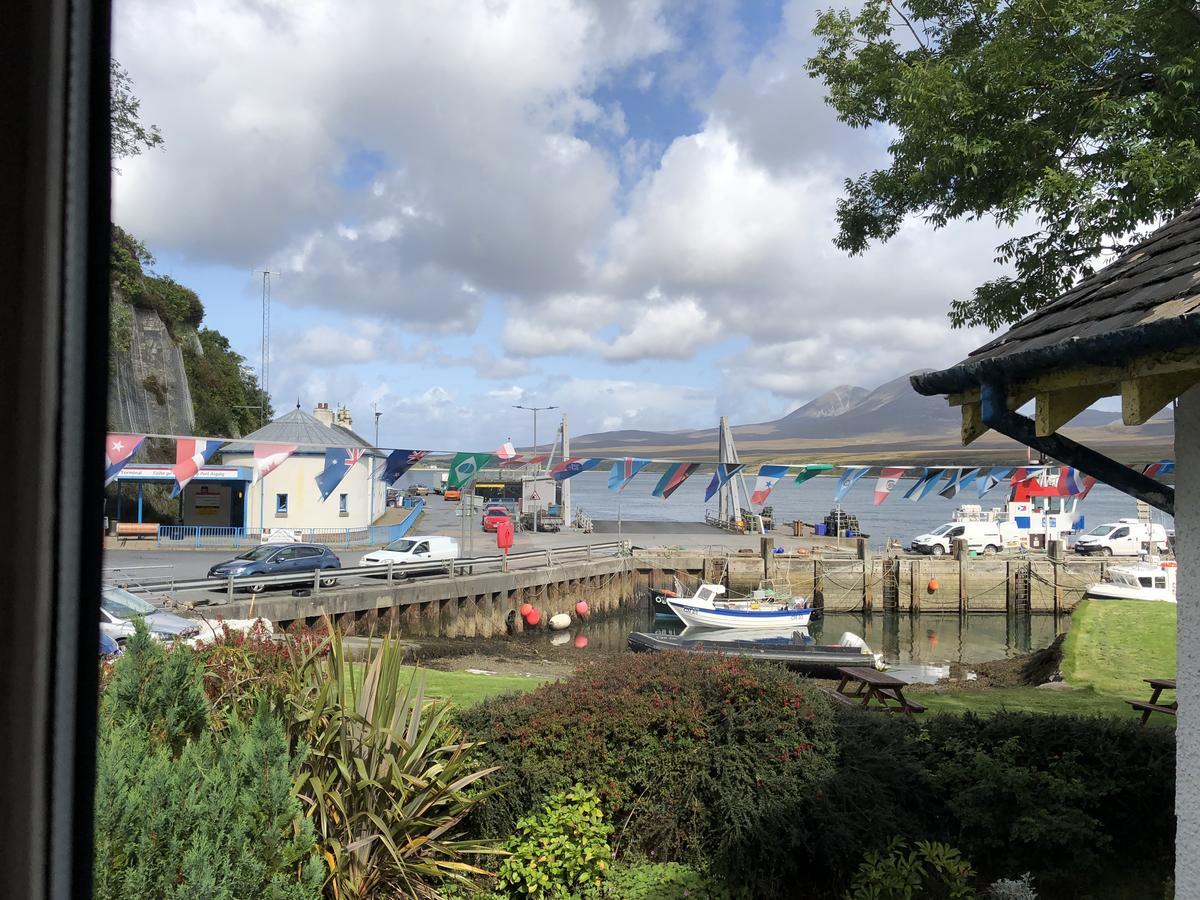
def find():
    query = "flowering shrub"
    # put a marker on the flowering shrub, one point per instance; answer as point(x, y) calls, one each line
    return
point(240, 667)
point(691, 754)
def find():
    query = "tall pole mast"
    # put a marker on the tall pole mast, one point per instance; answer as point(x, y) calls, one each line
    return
point(535, 410)
point(264, 360)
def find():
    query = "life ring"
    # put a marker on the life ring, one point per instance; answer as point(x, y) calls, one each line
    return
point(1170, 565)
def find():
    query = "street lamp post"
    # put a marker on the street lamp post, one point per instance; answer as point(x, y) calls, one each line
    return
point(535, 410)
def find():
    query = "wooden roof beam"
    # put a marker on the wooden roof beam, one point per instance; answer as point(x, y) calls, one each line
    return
point(1056, 408)
point(972, 422)
point(1142, 398)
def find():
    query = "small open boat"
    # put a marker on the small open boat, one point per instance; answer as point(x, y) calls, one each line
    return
point(1148, 579)
point(706, 611)
point(796, 651)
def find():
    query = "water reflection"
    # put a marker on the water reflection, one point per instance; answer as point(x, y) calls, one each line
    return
point(918, 648)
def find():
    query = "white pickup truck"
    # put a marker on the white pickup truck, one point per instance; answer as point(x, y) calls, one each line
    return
point(1126, 537)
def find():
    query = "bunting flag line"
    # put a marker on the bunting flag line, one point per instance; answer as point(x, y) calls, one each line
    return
point(267, 458)
point(1073, 483)
point(888, 477)
point(623, 470)
point(765, 483)
point(465, 466)
point(399, 462)
point(807, 472)
point(571, 467)
point(506, 451)
point(338, 462)
point(118, 449)
point(848, 480)
point(721, 477)
point(967, 478)
point(991, 479)
point(190, 455)
point(676, 474)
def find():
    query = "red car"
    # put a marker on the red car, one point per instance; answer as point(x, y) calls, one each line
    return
point(493, 516)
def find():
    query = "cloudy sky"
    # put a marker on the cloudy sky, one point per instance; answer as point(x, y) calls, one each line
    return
point(621, 208)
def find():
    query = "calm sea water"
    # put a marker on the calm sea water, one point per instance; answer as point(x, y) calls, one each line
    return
point(809, 502)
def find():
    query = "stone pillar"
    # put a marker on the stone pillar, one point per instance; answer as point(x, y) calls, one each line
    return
point(1187, 731)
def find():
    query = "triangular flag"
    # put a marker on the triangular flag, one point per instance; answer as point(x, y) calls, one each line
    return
point(725, 471)
point(506, 451)
point(268, 457)
point(399, 462)
point(338, 462)
point(848, 480)
point(464, 467)
point(923, 485)
point(765, 483)
point(675, 475)
point(1162, 467)
point(190, 455)
point(991, 479)
point(951, 487)
point(966, 479)
point(887, 481)
point(118, 449)
point(623, 471)
point(572, 466)
point(807, 472)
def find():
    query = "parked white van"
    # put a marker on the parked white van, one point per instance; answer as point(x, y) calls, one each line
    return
point(425, 548)
point(1126, 537)
point(982, 537)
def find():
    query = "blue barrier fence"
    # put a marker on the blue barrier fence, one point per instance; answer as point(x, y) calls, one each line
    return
point(223, 537)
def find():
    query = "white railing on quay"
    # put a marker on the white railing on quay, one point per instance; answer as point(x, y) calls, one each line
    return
point(451, 568)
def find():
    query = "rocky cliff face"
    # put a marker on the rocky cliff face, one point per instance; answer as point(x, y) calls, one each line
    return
point(147, 386)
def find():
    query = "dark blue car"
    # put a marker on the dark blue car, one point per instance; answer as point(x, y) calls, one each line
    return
point(279, 559)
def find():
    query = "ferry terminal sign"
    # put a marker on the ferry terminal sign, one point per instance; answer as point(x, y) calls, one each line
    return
point(165, 473)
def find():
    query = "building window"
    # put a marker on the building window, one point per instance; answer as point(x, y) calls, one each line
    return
point(281, 504)
point(342, 502)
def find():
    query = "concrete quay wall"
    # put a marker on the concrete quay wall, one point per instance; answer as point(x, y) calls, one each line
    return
point(887, 584)
point(465, 606)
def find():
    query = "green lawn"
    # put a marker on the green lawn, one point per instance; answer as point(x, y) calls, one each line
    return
point(467, 688)
point(1110, 648)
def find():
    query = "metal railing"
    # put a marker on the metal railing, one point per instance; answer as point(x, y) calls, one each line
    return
point(219, 537)
point(452, 568)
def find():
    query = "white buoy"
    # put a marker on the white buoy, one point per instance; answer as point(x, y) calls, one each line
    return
point(561, 622)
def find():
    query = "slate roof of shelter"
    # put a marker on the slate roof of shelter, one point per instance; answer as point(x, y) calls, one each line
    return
point(300, 428)
point(1153, 286)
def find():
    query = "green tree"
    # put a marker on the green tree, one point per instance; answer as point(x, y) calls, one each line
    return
point(1080, 115)
point(225, 391)
point(183, 811)
point(128, 136)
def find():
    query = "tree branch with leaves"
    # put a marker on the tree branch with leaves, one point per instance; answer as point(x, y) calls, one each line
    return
point(1081, 116)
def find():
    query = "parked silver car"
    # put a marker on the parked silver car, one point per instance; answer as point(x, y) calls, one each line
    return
point(119, 609)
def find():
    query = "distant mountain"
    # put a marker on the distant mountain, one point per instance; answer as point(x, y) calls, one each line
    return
point(853, 420)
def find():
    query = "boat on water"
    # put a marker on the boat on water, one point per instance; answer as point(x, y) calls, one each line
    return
point(795, 650)
point(706, 611)
point(1148, 579)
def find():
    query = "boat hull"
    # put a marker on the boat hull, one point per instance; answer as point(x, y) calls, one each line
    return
point(1107, 591)
point(716, 617)
point(802, 657)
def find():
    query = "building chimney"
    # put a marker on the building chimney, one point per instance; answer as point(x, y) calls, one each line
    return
point(343, 417)
point(323, 414)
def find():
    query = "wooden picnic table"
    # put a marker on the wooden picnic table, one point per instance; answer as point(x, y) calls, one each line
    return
point(871, 685)
point(1159, 685)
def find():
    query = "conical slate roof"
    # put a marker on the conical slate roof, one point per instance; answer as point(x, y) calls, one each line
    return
point(304, 430)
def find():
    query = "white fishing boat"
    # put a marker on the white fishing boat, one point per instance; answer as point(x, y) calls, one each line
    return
point(1148, 579)
point(706, 611)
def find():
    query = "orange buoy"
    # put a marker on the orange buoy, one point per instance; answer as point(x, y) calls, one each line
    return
point(525, 609)
point(581, 609)
point(534, 617)
point(580, 641)
point(933, 585)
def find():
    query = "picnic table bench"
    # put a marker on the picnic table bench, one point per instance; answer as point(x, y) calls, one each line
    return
point(870, 685)
point(1153, 706)
point(137, 529)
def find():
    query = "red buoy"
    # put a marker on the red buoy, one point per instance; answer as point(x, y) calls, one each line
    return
point(534, 617)
point(525, 609)
point(933, 585)
point(581, 608)
point(580, 641)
